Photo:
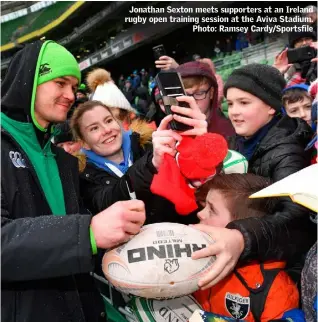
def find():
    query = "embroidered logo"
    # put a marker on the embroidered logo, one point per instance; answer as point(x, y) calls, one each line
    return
point(17, 159)
point(45, 69)
point(237, 305)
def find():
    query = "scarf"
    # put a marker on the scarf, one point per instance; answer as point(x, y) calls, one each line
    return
point(118, 169)
point(248, 146)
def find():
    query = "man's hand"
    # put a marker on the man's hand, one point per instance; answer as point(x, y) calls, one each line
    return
point(228, 247)
point(281, 62)
point(118, 223)
point(166, 62)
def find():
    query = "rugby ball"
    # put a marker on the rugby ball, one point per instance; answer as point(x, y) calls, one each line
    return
point(157, 262)
point(235, 162)
point(179, 309)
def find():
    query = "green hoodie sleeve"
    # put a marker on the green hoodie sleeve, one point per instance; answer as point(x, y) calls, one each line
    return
point(93, 241)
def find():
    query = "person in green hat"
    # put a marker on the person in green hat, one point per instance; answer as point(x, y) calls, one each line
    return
point(81, 92)
point(49, 244)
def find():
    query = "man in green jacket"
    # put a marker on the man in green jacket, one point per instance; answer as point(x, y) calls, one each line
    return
point(48, 242)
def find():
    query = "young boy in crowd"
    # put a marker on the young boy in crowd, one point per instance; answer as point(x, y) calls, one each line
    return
point(200, 82)
point(257, 291)
point(64, 139)
point(297, 102)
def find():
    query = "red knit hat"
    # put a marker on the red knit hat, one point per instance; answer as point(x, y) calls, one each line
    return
point(197, 159)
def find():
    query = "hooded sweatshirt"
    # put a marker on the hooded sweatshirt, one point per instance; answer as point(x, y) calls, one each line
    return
point(217, 122)
point(18, 92)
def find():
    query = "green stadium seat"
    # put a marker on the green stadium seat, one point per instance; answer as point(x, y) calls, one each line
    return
point(33, 21)
point(224, 108)
point(8, 28)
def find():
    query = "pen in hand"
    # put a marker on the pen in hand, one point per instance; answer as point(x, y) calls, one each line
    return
point(130, 189)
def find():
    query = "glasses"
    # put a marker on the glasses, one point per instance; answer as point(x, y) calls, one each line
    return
point(200, 95)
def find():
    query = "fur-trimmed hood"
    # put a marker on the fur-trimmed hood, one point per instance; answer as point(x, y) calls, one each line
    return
point(137, 126)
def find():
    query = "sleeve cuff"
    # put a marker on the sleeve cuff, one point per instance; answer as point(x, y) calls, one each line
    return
point(93, 241)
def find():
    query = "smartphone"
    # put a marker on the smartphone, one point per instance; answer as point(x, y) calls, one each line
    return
point(298, 55)
point(170, 86)
point(158, 51)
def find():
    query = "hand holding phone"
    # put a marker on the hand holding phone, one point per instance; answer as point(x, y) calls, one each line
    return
point(190, 115)
point(170, 86)
point(187, 116)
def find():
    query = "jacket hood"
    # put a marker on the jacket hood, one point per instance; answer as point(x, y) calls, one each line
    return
point(18, 88)
point(287, 130)
point(198, 69)
point(217, 122)
point(144, 130)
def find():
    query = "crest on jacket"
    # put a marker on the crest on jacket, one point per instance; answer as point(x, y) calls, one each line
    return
point(238, 306)
point(17, 160)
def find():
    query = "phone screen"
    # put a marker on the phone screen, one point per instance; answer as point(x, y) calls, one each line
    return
point(159, 51)
point(171, 84)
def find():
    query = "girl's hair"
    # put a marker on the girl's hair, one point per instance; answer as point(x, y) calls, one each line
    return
point(236, 189)
point(78, 114)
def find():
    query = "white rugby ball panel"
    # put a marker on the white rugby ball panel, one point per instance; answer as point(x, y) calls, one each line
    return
point(157, 262)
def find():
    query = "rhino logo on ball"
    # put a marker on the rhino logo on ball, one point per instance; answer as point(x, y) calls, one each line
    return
point(171, 265)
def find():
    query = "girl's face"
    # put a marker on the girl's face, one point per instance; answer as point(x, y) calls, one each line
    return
point(247, 112)
point(100, 131)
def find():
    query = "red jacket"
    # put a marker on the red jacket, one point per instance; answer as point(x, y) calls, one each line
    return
point(231, 298)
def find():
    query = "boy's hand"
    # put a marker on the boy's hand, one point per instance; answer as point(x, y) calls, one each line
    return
point(194, 116)
point(228, 247)
point(164, 142)
point(166, 62)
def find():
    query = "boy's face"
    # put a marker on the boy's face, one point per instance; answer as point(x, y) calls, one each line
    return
point(247, 112)
point(301, 109)
point(215, 212)
point(203, 95)
point(80, 95)
point(70, 146)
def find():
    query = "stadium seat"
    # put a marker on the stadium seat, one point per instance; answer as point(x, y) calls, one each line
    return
point(8, 28)
point(32, 21)
point(224, 108)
